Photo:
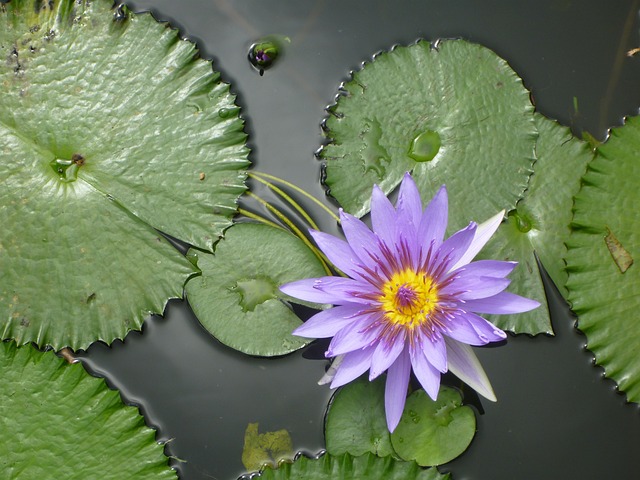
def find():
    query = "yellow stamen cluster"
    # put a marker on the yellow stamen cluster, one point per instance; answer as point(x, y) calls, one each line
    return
point(408, 298)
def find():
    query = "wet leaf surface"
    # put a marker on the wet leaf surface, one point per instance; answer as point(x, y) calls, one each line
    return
point(604, 284)
point(110, 127)
point(539, 226)
point(346, 467)
point(57, 421)
point(452, 113)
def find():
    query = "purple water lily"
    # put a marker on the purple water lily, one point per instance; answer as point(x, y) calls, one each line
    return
point(412, 298)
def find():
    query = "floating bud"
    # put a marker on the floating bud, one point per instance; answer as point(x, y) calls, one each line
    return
point(264, 53)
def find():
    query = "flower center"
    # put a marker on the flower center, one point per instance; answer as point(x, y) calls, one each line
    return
point(409, 298)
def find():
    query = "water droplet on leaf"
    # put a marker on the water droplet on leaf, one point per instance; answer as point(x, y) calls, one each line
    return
point(523, 223)
point(425, 146)
point(225, 112)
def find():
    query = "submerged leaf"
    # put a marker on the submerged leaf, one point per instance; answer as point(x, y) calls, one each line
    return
point(452, 112)
point(265, 448)
point(237, 298)
point(346, 467)
point(110, 127)
point(604, 285)
point(57, 421)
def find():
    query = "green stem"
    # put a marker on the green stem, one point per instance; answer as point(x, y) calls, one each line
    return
point(257, 175)
point(259, 218)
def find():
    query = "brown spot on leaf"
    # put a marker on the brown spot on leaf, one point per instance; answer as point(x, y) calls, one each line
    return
point(620, 255)
point(78, 159)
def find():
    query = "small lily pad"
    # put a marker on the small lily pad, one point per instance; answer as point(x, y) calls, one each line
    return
point(450, 112)
point(346, 467)
point(355, 422)
point(57, 421)
point(434, 432)
point(237, 297)
point(111, 128)
point(604, 279)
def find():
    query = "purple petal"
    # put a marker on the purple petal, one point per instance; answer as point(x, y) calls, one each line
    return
point(395, 394)
point(426, 373)
point(383, 216)
point(353, 365)
point(362, 240)
point(486, 329)
point(455, 246)
point(435, 351)
point(328, 322)
point(331, 290)
point(433, 223)
point(464, 364)
point(483, 233)
point(502, 303)
point(487, 268)
point(460, 329)
point(339, 253)
point(470, 287)
point(409, 204)
point(354, 336)
point(384, 355)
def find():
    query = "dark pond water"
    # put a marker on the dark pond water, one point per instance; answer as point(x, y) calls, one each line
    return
point(556, 418)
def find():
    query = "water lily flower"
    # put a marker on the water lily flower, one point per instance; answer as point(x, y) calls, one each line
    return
point(412, 298)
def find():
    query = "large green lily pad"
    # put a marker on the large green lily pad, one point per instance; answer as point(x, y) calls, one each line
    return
point(346, 467)
point(540, 224)
point(57, 421)
point(110, 127)
point(237, 298)
point(604, 283)
point(451, 113)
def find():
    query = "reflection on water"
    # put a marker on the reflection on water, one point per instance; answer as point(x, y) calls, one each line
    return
point(556, 417)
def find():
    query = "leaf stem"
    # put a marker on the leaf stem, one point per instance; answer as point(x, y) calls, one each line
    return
point(256, 175)
point(259, 218)
point(68, 355)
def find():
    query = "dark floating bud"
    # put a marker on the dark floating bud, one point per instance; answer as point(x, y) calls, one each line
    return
point(264, 53)
point(120, 13)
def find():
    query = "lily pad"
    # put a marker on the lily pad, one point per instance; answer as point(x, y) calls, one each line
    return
point(57, 421)
point(539, 226)
point(604, 286)
point(110, 127)
point(346, 467)
point(237, 297)
point(356, 422)
point(451, 112)
point(434, 432)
